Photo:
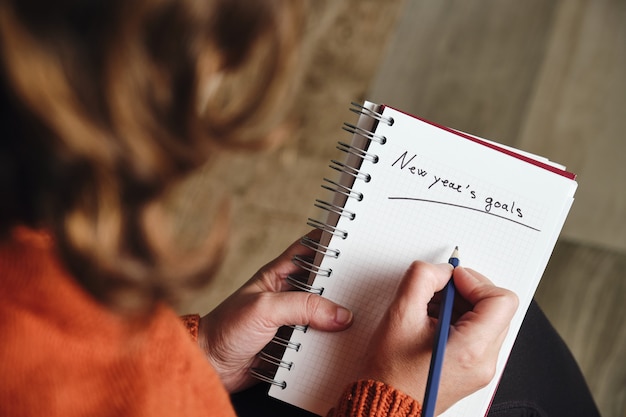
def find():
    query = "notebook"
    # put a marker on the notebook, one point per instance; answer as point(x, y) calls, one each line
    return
point(410, 189)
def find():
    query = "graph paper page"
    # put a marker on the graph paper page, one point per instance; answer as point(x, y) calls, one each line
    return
point(431, 189)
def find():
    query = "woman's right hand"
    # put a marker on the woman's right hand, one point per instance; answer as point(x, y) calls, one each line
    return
point(400, 349)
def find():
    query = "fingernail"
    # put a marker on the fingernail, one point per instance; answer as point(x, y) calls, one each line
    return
point(343, 315)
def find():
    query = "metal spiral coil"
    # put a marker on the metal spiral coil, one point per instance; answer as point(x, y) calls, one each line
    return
point(341, 167)
point(353, 150)
point(299, 283)
point(318, 247)
point(286, 343)
point(275, 361)
point(299, 327)
point(333, 208)
point(263, 375)
point(365, 133)
point(327, 228)
point(360, 109)
point(335, 187)
point(308, 265)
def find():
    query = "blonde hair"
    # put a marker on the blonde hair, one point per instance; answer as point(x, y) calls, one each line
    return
point(106, 104)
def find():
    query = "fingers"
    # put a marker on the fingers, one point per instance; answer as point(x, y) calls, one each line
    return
point(476, 337)
point(274, 305)
point(493, 307)
point(460, 307)
point(291, 308)
point(272, 277)
point(421, 281)
point(399, 351)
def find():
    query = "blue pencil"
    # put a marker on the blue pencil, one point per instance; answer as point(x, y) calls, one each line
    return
point(441, 337)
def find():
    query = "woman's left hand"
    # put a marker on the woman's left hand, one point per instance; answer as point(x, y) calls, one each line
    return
point(234, 333)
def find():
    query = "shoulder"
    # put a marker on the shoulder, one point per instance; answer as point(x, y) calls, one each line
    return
point(63, 350)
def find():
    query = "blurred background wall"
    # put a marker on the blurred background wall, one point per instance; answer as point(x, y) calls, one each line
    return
point(546, 76)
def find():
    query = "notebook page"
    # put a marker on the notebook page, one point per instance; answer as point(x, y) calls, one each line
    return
point(431, 190)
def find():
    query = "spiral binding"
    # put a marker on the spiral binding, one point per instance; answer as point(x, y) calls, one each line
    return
point(299, 282)
point(365, 133)
point(337, 188)
point(308, 265)
point(266, 376)
point(357, 174)
point(327, 228)
point(275, 361)
point(318, 247)
point(288, 343)
point(360, 109)
point(336, 210)
point(299, 327)
point(353, 150)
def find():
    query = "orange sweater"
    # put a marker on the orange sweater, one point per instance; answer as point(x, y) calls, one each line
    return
point(63, 354)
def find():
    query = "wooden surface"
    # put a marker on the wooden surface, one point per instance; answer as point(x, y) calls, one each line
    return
point(546, 76)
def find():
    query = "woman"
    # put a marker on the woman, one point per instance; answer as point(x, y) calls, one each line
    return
point(105, 106)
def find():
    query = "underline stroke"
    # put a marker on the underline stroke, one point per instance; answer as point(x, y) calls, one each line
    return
point(464, 207)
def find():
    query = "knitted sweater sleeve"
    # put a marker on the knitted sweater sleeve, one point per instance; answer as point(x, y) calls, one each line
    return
point(368, 398)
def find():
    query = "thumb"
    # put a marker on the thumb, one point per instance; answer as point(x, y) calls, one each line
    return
point(301, 308)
